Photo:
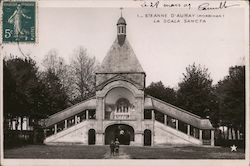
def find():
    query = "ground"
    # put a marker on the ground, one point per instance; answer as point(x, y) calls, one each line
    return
point(126, 152)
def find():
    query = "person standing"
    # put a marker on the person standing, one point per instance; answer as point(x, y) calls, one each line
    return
point(117, 144)
point(112, 148)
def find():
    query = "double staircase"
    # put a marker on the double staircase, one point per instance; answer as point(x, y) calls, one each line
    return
point(73, 135)
point(168, 125)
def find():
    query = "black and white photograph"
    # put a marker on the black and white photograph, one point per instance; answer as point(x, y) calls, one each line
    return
point(124, 82)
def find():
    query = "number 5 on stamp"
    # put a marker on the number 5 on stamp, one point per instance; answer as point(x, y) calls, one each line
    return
point(19, 21)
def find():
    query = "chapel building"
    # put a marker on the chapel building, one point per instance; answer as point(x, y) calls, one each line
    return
point(120, 109)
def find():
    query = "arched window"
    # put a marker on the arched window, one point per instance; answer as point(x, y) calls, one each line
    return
point(121, 29)
point(122, 105)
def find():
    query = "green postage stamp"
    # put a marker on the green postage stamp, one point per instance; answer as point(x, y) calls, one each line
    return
point(19, 21)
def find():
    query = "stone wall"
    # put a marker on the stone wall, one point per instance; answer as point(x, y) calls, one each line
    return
point(167, 135)
point(77, 134)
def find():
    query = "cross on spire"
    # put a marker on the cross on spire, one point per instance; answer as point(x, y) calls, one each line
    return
point(121, 29)
point(121, 8)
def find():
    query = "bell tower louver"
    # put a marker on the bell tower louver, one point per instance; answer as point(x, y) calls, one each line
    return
point(121, 30)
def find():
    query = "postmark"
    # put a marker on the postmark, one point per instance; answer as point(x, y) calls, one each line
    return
point(19, 22)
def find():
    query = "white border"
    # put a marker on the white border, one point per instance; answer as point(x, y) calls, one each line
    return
point(199, 162)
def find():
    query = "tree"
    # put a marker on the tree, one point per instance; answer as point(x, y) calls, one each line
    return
point(195, 91)
point(56, 97)
point(55, 64)
point(9, 90)
point(231, 96)
point(21, 85)
point(83, 69)
point(29, 93)
point(78, 78)
point(159, 91)
point(22, 73)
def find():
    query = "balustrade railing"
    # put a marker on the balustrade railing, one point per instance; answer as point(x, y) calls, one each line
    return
point(69, 122)
point(122, 115)
point(176, 124)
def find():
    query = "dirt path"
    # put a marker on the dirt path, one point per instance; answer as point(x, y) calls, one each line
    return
point(122, 155)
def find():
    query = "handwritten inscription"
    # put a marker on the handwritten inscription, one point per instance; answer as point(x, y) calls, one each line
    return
point(222, 5)
point(203, 6)
point(157, 4)
point(185, 12)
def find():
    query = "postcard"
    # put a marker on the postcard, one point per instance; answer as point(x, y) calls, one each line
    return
point(143, 82)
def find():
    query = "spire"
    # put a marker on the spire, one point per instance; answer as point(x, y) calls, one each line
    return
point(121, 8)
point(121, 29)
point(121, 57)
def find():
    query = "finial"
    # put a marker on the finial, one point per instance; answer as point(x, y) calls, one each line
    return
point(121, 8)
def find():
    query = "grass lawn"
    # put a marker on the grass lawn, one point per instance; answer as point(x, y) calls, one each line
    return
point(186, 152)
point(57, 152)
point(100, 152)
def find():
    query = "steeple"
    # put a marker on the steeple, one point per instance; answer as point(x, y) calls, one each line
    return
point(121, 30)
point(121, 57)
point(120, 63)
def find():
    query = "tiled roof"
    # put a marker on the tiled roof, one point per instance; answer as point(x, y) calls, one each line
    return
point(121, 21)
point(120, 59)
point(89, 104)
point(178, 113)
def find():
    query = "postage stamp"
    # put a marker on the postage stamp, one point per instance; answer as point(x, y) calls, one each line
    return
point(19, 21)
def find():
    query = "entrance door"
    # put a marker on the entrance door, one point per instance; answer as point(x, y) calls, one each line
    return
point(124, 133)
point(91, 137)
point(147, 137)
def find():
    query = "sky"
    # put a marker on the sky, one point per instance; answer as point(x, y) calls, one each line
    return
point(163, 49)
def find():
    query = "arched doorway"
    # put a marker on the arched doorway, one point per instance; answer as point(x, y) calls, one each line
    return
point(91, 137)
point(147, 137)
point(124, 133)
